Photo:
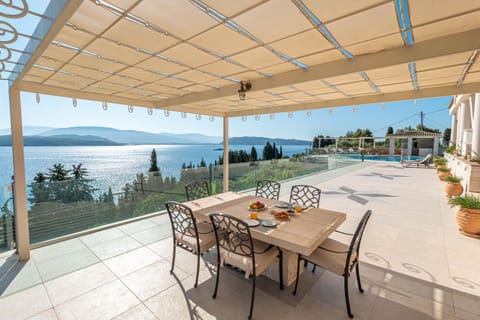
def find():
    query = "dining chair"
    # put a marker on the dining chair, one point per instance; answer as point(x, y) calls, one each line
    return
point(236, 247)
point(197, 189)
point(189, 234)
point(268, 189)
point(306, 195)
point(339, 258)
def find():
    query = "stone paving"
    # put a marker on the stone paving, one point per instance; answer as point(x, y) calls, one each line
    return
point(414, 264)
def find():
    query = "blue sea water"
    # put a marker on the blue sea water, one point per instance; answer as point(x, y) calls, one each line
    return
point(116, 165)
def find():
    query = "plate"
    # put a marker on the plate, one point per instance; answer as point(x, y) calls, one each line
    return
point(252, 222)
point(283, 205)
point(269, 223)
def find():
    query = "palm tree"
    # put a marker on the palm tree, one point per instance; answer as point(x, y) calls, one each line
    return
point(58, 172)
point(79, 172)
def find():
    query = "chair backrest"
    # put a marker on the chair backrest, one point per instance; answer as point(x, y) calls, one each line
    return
point(182, 220)
point(427, 159)
point(355, 244)
point(232, 235)
point(268, 189)
point(305, 195)
point(197, 189)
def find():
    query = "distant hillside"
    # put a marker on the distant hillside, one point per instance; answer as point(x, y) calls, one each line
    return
point(27, 130)
point(59, 140)
point(135, 137)
point(264, 140)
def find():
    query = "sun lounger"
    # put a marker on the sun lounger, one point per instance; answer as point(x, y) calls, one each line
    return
point(425, 161)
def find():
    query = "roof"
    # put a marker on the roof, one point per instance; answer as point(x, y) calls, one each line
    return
point(191, 55)
point(416, 134)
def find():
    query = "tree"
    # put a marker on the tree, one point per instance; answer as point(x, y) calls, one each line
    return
point(153, 162)
point(58, 172)
point(202, 164)
point(389, 130)
point(280, 154)
point(253, 154)
point(79, 172)
point(446, 136)
point(268, 153)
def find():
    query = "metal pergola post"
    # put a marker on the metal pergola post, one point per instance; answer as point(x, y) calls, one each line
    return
point(225, 154)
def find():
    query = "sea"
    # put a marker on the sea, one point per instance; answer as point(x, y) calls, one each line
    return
point(116, 165)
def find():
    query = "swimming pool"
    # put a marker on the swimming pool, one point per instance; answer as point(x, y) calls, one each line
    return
point(377, 158)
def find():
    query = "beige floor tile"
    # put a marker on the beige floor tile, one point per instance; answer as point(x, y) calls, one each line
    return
point(137, 226)
point(77, 283)
point(115, 247)
point(179, 306)
point(104, 302)
point(151, 235)
point(20, 276)
point(163, 248)
point(131, 261)
point(152, 279)
point(161, 219)
point(56, 250)
point(138, 312)
point(46, 315)
point(25, 304)
point(96, 238)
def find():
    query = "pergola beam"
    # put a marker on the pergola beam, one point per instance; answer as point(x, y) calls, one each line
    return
point(70, 93)
point(446, 45)
point(437, 91)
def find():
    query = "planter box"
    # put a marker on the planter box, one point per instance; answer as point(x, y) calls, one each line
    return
point(469, 171)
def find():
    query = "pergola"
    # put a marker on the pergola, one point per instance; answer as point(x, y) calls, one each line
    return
point(234, 58)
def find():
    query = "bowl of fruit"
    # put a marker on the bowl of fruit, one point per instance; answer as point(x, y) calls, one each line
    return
point(257, 206)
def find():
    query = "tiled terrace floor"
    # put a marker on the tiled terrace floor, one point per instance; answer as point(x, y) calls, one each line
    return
point(414, 265)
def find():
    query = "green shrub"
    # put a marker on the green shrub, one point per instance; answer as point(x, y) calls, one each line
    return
point(467, 202)
point(453, 179)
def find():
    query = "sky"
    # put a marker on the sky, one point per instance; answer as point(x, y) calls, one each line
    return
point(59, 112)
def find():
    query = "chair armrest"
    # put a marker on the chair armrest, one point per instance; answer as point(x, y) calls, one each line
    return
point(346, 233)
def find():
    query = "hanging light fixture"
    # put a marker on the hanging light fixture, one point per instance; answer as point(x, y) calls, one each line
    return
point(272, 116)
point(211, 118)
point(415, 103)
point(150, 111)
point(37, 97)
point(384, 106)
point(244, 87)
point(198, 116)
point(74, 102)
point(354, 109)
point(257, 117)
point(290, 115)
point(130, 109)
point(105, 105)
point(244, 118)
point(309, 113)
point(184, 115)
point(330, 111)
point(166, 112)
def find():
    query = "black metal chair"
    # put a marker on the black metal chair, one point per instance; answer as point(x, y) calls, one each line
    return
point(339, 258)
point(306, 195)
point(268, 189)
point(189, 234)
point(236, 247)
point(197, 189)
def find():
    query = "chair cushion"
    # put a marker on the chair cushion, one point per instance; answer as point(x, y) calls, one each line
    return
point(206, 238)
point(262, 260)
point(334, 262)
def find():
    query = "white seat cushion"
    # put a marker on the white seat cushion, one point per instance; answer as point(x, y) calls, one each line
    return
point(334, 262)
point(262, 260)
point(206, 238)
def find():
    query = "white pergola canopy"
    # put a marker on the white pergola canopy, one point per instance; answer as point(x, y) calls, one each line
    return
point(190, 55)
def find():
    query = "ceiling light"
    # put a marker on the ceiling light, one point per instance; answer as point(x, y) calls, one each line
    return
point(244, 87)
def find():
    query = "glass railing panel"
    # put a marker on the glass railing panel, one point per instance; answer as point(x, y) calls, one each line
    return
point(7, 225)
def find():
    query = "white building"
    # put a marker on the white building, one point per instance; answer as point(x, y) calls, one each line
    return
point(465, 112)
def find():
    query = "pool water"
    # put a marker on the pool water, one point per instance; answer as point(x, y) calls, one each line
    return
point(379, 158)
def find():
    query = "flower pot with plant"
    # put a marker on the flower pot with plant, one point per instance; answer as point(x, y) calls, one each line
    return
point(468, 217)
point(453, 186)
point(440, 163)
point(443, 172)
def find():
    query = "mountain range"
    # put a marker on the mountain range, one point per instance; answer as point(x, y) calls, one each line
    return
point(104, 136)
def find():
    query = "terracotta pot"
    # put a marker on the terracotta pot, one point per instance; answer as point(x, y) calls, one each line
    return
point(469, 221)
point(442, 174)
point(453, 189)
point(441, 166)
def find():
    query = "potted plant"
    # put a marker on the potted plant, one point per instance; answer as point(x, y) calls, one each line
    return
point(443, 172)
point(453, 186)
point(440, 162)
point(468, 217)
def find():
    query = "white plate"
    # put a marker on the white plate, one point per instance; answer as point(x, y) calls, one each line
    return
point(269, 223)
point(252, 222)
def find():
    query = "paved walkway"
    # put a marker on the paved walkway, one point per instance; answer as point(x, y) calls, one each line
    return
point(414, 264)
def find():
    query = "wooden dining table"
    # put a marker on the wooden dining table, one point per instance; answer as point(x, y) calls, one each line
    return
point(302, 233)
